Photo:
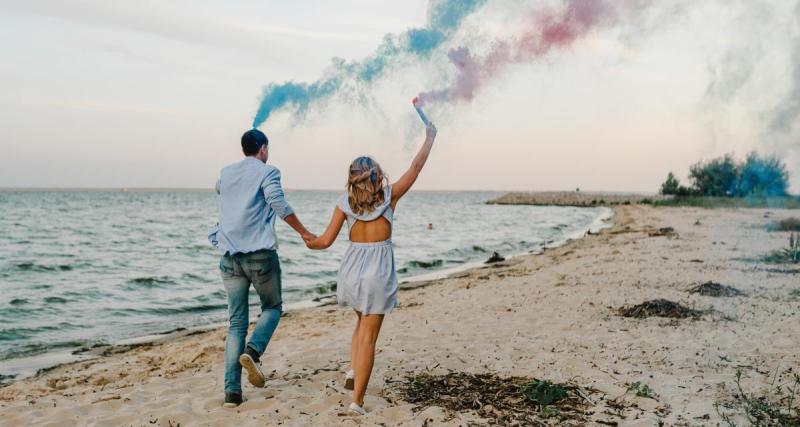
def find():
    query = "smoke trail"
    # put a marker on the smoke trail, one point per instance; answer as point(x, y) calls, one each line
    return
point(786, 115)
point(444, 19)
point(548, 30)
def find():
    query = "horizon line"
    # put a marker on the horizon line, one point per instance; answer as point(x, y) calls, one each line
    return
point(211, 189)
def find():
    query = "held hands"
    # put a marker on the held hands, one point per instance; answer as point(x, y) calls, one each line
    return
point(308, 237)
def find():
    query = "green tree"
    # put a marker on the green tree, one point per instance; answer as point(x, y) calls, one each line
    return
point(671, 185)
point(718, 177)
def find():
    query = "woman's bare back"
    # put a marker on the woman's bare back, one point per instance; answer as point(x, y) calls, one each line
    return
point(377, 230)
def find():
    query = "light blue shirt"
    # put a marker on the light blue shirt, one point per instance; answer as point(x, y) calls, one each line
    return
point(250, 197)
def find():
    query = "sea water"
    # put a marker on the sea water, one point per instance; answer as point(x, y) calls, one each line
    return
point(84, 268)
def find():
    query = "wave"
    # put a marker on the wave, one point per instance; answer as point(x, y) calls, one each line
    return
point(34, 348)
point(29, 266)
point(55, 300)
point(426, 264)
point(13, 334)
point(197, 248)
point(167, 311)
point(151, 282)
point(190, 276)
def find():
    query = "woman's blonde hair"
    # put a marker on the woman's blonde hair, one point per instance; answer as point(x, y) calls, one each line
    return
point(365, 185)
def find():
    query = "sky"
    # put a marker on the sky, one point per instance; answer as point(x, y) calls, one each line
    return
point(156, 93)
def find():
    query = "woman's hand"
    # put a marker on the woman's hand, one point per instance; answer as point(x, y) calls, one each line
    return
point(327, 238)
point(430, 132)
point(313, 243)
point(307, 236)
point(402, 185)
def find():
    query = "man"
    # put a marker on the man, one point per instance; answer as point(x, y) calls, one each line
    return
point(250, 198)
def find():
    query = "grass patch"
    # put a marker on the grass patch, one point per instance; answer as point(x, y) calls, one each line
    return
point(660, 308)
point(640, 389)
point(504, 401)
point(788, 202)
point(786, 224)
point(787, 255)
point(776, 406)
point(713, 289)
point(795, 294)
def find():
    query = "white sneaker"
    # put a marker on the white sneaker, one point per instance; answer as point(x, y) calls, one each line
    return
point(349, 382)
point(254, 374)
point(357, 410)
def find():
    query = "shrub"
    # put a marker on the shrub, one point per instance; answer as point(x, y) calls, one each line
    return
point(787, 224)
point(717, 177)
point(723, 177)
point(671, 185)
point(763, 176)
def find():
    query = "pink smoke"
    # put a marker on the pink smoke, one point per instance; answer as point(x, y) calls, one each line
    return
point(548, 30)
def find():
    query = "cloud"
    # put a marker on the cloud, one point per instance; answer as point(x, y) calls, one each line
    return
point(170, 20)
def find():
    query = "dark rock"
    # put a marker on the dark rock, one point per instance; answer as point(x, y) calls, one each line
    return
point(496, 257)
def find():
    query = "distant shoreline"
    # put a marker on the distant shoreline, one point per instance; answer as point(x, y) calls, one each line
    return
point(574, 198)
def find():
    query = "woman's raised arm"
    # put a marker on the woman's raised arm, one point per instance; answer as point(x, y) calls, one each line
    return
point(401, 187)
point(329, 236)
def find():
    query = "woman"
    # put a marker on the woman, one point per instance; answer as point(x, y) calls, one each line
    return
point(367, 280)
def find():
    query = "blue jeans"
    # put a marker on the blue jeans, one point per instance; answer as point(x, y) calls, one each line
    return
point(262, 269)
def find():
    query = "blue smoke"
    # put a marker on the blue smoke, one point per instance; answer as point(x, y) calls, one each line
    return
point(763, 176)
point(444, 19)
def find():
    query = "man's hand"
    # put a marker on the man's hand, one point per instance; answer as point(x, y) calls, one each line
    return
point(307, 236)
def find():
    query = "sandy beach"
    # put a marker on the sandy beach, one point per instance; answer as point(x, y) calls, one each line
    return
point(552, 316)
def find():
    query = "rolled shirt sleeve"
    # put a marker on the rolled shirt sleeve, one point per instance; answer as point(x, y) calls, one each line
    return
point(273, 193)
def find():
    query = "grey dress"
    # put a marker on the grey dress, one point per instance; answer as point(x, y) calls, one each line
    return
point(367, 280)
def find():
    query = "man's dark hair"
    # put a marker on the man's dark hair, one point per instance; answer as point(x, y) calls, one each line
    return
point(252, 141)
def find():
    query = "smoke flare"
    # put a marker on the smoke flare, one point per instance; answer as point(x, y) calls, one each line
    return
point(547, 30)
point(444, 19)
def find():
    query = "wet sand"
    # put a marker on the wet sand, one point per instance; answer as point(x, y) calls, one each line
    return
point(551, 316)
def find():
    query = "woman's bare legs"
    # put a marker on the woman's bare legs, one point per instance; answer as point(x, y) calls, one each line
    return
point(353, 350)
point(365, 337)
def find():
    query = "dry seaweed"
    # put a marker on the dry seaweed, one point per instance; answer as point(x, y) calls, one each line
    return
point(713, 289)
point(660, 308)
point(501, 401)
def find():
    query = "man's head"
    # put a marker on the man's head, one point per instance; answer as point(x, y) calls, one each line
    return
point(254, 144)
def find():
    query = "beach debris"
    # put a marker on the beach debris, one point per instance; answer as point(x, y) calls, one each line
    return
point(713, 289)
point(496, 257)
point(107, 398)
point(663, 231)
point(502, 401)
point(660, 308)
